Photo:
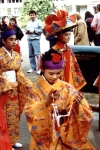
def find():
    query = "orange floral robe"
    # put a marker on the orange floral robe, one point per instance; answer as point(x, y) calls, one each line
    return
point(71, 72)
point(5, 142)
point(73, 130)
point(18, 96)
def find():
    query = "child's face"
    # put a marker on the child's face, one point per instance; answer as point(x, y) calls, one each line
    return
point(64, 37)
point(52, 75)
point(10, 42)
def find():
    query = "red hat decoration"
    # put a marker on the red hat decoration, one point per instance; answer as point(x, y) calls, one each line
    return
point(57, 22)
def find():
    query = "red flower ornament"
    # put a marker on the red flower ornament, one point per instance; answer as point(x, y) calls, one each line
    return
point(55, 57)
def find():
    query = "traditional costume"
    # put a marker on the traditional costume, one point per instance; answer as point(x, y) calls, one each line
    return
point(61, 22)
point(10, 68)
point(5, 142)
point(63, 125)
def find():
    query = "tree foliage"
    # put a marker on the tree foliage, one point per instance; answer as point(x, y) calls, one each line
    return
point(42, 8)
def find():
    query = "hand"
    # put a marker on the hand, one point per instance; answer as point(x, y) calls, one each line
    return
point(79, 98)
point(27, 32)
point(31, 32)
point(52, 96)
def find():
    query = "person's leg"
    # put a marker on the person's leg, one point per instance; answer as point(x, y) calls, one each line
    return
point(31, 55)
point(36, 45)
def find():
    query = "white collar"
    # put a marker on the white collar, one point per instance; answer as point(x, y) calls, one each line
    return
point(10, 54)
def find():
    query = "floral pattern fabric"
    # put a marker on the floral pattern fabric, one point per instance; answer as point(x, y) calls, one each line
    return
point(71, 72)
point(16, 101)
point(73, 130)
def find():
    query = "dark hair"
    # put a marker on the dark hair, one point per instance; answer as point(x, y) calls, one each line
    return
point(88, 15)
point(3, 32)
point(47, 56)
point(3, 19)
point(32, 12)
point(13, 19)
point(98, 7)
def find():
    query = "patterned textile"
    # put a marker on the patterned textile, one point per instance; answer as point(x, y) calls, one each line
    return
point(18, 96)
point(71, 72)
point(73, 130)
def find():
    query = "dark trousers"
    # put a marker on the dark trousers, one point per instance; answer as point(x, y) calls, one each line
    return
point(97, 40)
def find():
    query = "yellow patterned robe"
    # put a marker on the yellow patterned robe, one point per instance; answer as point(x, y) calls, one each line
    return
point(17, 98)
point(71, 72)
point(45, 135)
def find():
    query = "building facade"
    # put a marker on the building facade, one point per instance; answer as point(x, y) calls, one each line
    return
point(10, 8)
point(77, 6)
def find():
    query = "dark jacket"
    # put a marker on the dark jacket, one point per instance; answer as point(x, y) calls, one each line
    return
point(18, 32)
point(91, 33)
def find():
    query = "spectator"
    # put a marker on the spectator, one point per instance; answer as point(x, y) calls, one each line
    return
point(62, 28)
point(96, 24)
point(80, 32)
point(18, 32)
point(17, 29)
point(4, 23)
point(10, 68)
point(33, 31)
point(58, 116)
point(90, 31)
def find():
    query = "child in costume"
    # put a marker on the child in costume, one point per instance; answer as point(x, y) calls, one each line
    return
point(58, 116)
point(10, 69)
point(61, 25)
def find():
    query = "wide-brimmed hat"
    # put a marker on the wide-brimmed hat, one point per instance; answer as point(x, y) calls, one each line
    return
point(58, 22)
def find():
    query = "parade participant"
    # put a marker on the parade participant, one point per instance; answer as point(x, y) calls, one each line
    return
point(5, 142)
point(61, 24)
point(58, 116)
point(10, 68)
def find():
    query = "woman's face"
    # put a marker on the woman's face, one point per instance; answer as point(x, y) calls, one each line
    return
point(6, 20)
point(52, 75)
point(64, 37)
point(12, 22)
point(10, 42)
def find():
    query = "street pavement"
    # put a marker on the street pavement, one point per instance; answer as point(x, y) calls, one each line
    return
point(94, 134)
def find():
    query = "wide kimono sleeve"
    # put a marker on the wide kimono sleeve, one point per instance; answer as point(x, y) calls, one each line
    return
point(24, 84)
point(37, 118)
point(75, 130)
point(77, 79)
point(4, 85)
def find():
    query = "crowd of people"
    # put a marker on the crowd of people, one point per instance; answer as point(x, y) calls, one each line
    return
point(58, 115)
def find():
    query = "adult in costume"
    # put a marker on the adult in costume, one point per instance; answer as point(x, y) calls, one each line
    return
point(58, 117)
point(10, 68)
point(61, 24)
